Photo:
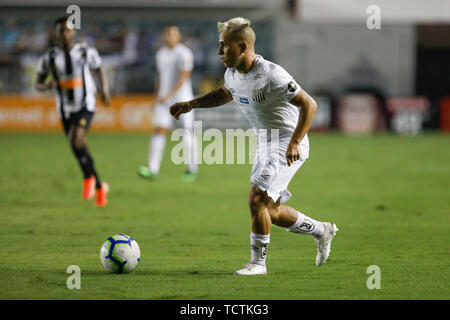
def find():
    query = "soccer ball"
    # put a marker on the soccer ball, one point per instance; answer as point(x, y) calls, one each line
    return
point(120, 254)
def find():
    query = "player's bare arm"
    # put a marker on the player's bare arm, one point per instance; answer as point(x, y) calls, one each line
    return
point(309, 106)
point(184, 75)
point(43, 85)
point(212, 99)
point(103, 83)
point(155, 94)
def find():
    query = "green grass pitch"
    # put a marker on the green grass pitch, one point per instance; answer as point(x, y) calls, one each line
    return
point(389, 196)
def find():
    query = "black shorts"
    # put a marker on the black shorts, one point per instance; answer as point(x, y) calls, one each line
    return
point(81, 119)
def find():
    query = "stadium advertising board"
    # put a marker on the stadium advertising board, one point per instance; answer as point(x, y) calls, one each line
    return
point(126, 113)
point(407, 114)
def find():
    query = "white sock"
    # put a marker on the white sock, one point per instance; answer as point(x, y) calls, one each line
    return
point(307, 225)
point(190, 151)
point(156, 150)
point(259, 245)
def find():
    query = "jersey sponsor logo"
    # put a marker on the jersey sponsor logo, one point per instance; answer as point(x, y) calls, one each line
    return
point(306, 226)
point(71, 83)
point(243, 100)
point(292, 86)
point(258, 95)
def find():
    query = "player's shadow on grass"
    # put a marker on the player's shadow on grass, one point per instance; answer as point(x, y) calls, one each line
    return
point(167, 273)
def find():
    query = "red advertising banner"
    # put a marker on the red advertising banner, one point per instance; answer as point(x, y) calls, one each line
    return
point(445, 114)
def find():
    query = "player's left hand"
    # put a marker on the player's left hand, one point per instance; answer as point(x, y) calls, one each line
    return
point(292, 153)
point(106, 98)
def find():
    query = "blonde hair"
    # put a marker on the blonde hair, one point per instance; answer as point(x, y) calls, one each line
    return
point(233, 25)
point(239, 28)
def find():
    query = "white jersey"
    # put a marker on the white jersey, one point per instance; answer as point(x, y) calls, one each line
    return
point(170, 63)
point(76, 87)
point(263, 94)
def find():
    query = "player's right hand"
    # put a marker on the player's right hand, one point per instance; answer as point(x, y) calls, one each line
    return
point(178, 108)
point(292, 153)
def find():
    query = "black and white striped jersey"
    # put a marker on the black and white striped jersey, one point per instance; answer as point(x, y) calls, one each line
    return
point(76, 89)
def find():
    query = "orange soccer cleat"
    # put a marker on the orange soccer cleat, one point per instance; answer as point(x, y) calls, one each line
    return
point(89, 188)
point(100, 199)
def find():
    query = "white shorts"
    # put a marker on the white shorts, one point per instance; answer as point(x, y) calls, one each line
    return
point(271, 173)
point(163, 118)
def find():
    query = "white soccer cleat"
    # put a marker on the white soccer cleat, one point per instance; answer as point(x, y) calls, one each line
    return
point(323, 243)
point(251, 269)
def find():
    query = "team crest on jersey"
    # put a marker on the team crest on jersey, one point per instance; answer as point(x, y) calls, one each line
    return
point(82, 122)
point(258, 95)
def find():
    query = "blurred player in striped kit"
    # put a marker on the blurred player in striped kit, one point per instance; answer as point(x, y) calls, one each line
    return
point(74, 67)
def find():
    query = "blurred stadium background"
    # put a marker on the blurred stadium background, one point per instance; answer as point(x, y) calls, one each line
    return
point(396, 78)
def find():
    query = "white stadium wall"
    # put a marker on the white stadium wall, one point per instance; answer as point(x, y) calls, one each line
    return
point(325, 56)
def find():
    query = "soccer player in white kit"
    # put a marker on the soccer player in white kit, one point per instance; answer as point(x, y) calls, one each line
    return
point(174, 63)
point(270, 98)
